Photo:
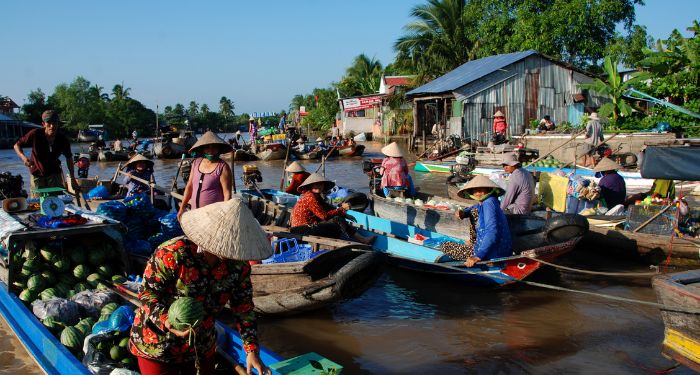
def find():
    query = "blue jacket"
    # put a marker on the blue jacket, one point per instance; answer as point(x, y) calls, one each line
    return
point(492, 233)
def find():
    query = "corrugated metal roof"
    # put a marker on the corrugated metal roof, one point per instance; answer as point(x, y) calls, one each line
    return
point(469, 72)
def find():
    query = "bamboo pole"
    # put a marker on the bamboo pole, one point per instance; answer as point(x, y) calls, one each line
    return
point(644, 224)
point(556, 148)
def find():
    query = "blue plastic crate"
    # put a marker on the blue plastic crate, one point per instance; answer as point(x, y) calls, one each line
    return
point(288, 250)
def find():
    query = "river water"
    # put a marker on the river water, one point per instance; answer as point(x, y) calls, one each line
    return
point(408, 323)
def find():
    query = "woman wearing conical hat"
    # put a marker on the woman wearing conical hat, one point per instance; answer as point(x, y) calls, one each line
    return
point(299, 174)
point(210, 265)
point(210, 178)
point(312, 215)
point(612, 185)
point(500, 127)
point(394, 171)
point(141, 167)
point(489, 236)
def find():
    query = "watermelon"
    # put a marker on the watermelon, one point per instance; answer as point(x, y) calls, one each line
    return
point(35, 283)
point(118, 279)
point(105, 271)
point(49, 278)
point(81, 272)
point(93, 279)
point(71, 293)
point(96, 257)
point(101, 286)
point(48, 293)
point(116, 353)
point(52, 324)
point(77, 256)
point(103, 317)
point(80, 287)
point(109, 308)
point(61, 264)
point(47, 254)
point(62, 289)
point(185, 313)
point(31, 265)
point(72, 339)
point(124, 343)
point(19, 284)
point(84, 327)
point(29, 253)
point(66, 278)
point(27, 296)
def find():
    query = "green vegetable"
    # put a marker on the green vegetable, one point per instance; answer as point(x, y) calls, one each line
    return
point(185, 312)
point(72, 339)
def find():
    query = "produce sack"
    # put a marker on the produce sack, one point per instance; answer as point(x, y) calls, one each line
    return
point(96, 361)
point(113, 209)
point(62, 310)
point(119, 321)
point(98, 192)
point(92, 301)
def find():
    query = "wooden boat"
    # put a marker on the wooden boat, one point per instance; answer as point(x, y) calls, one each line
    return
point(170, 146)
point(434, 166)
point(351, 150)
point(310, 155)
point(529, 245)
point(272, 151)
point(238, 155)
point(336, 270)
point(111, 155)
point(680, 291)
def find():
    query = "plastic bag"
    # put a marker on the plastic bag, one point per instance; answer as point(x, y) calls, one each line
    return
point(120, 320)
point(98, 192)
point(170, 226)
point(113, 209)
point(138, 247)
point(96, 361)
point(91, 301)
point(63, 310)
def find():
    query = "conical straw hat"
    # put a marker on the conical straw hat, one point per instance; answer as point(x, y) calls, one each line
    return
point(606, 165)
point(210, 138)
point(295, 167)
point(479, 182)
point(138, 157)
point(314, 178)
point(393, 150)
point(319, 139)
point(498, 114)
point(227, 229)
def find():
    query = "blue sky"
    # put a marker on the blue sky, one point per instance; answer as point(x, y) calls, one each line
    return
point(257, 53)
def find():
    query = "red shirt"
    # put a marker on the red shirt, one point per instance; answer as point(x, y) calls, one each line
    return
point(45, 156)
point(297, 179)
point(500, 125)
point(311, 209)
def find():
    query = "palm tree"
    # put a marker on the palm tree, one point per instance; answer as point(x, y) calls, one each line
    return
point(362, 77)
point(614, 89)
point(119, 92)
point(437, 41)
point(226, 107)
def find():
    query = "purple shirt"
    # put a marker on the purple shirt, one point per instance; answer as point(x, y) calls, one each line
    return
point(520, 193)
point(206, 187)
point(612, 189)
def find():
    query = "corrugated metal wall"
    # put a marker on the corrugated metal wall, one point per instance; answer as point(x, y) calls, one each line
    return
point(556, 86)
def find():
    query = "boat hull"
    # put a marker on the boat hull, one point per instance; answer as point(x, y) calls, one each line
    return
point(434, 167)
point(681, 330)
point(272, 154)
point(311, 155)
point(350, 151)
point(109, 155)
point(168, 150)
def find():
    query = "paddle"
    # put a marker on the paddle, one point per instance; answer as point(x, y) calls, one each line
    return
point(323, 159)
point(556, 148)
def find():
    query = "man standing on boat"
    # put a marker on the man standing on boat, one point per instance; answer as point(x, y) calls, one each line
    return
point(47, 146)
point(520, 193)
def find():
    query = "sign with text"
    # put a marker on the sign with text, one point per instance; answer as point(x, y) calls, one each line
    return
point(356, 104)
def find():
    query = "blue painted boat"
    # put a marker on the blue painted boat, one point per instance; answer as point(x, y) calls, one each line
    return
point(54, 358)
point(392, 240)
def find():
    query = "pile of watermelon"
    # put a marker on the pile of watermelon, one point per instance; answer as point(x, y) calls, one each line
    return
point(549, 162)
point(115, 346)
point(47, 270)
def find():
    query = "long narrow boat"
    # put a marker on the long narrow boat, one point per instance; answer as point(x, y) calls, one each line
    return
point(310, 155)
point(272, 151)
point(680, 291)
point(529, 246)
point(351, 150)
point(434, 166)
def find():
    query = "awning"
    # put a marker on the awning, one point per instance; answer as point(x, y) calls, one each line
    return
point(672, 163)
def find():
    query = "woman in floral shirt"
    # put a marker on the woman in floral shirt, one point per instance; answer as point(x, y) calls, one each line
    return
point(208, 264)
point(312, 215)
point(394, 171)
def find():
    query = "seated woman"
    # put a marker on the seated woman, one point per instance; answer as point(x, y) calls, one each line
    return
point(489, 236)
point(312, 215)
point(320, 145)
point(138, 166)
point(299, 174)
point(394, 171)
point(612, 185)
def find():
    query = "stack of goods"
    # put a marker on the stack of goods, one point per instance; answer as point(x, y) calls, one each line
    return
point(66, 285)
point(581, 194)
point(549, 162)
point(147, 227)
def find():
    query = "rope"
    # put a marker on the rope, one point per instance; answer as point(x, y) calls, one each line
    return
point(623, 274)
point(661, 306)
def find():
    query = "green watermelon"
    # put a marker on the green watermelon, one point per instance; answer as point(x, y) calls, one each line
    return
point(93, 279)
point(19, 284)
point(185, 312)
point(48, 294)
point(124, 343)
point(81, 272)
point(35, 283)
point(61, 264)
point(77, 255)
point(116, 353)
point(52, 324)
point(66, 278)
point(29, 253)
point(84, 327)
point(31, 265)
point(103, 317)
point(109, 308)
point(49, 278)
point(102, 345)
point(118, 279)
point(62, 289)
point(96, 257)
point(72, 339)
point(47, 254)
point(27, 296)
point(101, 286)
point(105, 271)
point(80, 287)
point(71, 293)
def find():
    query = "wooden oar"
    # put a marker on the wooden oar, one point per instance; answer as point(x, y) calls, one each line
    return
point(644, 224)
point(556, 148)
point(323, 159)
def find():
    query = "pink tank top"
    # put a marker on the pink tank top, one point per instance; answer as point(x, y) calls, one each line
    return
point(206, 187)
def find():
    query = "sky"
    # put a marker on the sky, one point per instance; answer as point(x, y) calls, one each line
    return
point(257, 53)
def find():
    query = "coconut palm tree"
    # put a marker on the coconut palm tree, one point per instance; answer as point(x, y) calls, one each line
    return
point(119, 92)
point(362, 77)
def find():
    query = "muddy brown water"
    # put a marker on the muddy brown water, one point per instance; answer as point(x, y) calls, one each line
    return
point(408, 323)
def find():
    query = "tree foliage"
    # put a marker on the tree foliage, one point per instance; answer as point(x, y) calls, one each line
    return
point(362, 77)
